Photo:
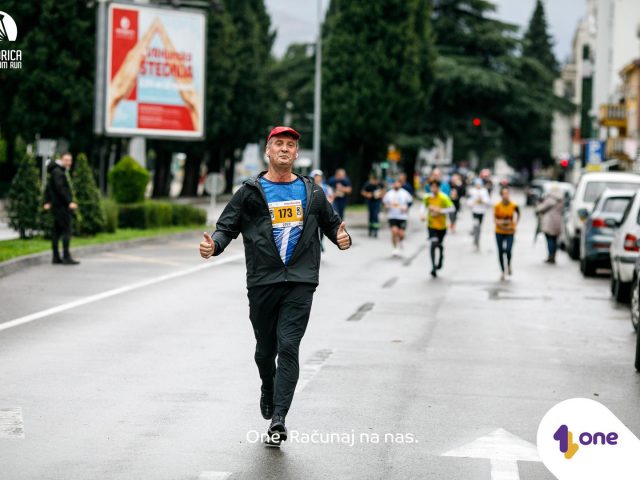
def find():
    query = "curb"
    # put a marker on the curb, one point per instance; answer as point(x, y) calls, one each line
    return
point(20, 263)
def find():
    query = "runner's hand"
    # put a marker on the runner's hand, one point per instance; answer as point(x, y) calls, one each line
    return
point(207, 247)
point(343, 237)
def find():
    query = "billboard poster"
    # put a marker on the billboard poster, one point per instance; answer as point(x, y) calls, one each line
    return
point(155, 72)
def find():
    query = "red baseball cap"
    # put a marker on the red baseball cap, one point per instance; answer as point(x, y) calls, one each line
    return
point(285, 130)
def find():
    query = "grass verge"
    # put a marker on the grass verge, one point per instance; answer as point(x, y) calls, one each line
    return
point(17, 248)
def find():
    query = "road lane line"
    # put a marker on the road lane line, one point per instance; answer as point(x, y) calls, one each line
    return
point(116, 291)
point(11, 424)
point(312, 366)
point(214, 475)
point(390, 283)
point(136, 258)
point(361, 312)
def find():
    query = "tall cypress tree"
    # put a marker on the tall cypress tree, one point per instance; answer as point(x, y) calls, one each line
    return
point(537, 42)
point(528, 136)
point(25, 198)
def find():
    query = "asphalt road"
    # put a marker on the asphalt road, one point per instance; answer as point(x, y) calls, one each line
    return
point(139, 364)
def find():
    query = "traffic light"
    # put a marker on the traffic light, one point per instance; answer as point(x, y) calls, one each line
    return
point(564, 163)
point(476, 122)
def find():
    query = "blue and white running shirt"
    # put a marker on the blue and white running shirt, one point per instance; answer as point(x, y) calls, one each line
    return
point(287, 202)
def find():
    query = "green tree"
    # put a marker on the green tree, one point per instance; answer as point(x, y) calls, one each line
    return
point(88, 198)
point(25, 198)
point(221, 81)
point(55, 91)
point(375, 78)
point(537, 42)
point(293, 78)
point(23, 14)
point(250, 113)
point(475, 54)
point(528, 131)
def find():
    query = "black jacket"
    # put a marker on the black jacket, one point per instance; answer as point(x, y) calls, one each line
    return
point(58, 190)
point(248, 213)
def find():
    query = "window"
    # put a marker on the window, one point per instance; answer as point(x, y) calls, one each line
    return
point(594, 189)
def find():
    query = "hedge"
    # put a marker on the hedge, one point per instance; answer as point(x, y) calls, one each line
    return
point(153, 214)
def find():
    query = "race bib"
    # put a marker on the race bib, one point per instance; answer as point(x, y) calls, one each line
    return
point(286, 214)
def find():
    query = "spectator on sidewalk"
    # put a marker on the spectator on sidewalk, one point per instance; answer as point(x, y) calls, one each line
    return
point(342, 189)
point(59, 199)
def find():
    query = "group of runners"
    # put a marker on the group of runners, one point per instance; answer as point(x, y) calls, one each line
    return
point(439, 208)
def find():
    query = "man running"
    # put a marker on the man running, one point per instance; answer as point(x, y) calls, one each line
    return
point(373, 191)
point(397, 202)
point(479, 200)
point(436, 206)
point(506, 214)
point(278, 213)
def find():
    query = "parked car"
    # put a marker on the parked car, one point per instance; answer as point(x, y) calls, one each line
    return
point(598, 231)
point(534, 190)
point(624, 251)
point(635, 297)
point(589, 188)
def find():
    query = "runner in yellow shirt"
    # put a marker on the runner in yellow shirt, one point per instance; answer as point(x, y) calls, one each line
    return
point(506, 215)
point(437, 206)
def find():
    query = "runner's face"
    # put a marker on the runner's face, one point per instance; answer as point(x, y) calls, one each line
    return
point(505, 195)
point(282, 151)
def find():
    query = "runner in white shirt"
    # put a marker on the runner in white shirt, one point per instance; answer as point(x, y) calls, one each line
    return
point(397, 202)
point(479, 201)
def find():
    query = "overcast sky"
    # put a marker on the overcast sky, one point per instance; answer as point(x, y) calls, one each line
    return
point(296, 20)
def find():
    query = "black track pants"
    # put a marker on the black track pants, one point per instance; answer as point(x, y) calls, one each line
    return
point(279, 314)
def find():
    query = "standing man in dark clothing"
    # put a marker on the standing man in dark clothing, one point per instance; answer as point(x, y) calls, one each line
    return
point(279, 214)
point(342, 189)
point(59, 199)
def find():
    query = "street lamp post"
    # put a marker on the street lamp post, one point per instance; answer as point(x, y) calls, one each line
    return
point(317, 93)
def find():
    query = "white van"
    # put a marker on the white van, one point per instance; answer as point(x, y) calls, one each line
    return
point(589, 188)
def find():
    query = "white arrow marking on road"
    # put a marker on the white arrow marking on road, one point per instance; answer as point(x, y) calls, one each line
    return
point(115, 291)
point(11, 424)
point(503, 449)
point(214, 475)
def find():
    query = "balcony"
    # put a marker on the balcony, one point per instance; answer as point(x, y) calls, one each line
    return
point(613, 116)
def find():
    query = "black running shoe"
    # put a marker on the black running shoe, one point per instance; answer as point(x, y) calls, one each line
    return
point(277, 431)
point(433, 273)
point(266, 405)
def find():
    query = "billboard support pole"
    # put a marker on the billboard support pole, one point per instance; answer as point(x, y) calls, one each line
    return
point(101, 49)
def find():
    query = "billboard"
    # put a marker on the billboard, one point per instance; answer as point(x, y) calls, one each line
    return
point(155, 67)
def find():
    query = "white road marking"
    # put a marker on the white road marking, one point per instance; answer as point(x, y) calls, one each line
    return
point(312, 366)
point(11, 424)
point(136, 258)
point(214, 475)
point(503, 449)
point(116, 291)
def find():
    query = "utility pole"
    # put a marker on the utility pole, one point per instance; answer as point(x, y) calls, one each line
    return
point(317, 98)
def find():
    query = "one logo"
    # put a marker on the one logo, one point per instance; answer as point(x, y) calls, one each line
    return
point(564, 437)
point(125, 23)
point(8, 28)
